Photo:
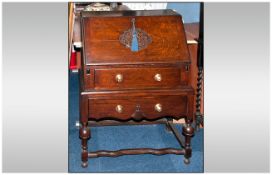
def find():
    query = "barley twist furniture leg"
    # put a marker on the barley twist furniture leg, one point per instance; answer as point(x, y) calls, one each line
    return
point(198, 115)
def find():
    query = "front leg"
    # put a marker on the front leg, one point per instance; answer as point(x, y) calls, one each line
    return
point(84, 134)
point(188, 132)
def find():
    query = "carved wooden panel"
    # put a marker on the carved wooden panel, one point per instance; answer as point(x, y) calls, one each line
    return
point(102, 44)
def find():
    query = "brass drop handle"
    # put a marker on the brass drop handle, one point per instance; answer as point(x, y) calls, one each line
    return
point(119, 108)
point(158, 77)
point(119, 78)
point(158, 107)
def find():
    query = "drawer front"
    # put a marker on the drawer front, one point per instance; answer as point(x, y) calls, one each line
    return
point(130, 78)
point(138, 108)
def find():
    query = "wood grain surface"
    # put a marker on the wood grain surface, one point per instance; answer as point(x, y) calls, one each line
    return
point(102, 45)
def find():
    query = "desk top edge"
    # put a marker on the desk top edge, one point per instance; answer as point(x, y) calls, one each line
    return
point(127, 13)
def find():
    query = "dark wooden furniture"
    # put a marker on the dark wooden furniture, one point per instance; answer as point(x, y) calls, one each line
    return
point(135, 66)
point(196, 73)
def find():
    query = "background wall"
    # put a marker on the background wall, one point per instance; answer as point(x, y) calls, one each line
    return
point(189, 11)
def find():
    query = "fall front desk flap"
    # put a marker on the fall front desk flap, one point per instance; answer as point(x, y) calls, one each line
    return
point(116, 37)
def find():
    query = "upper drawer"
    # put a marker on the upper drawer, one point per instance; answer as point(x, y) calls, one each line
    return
point(135, 77)
point(129, 78)
point(133, 39)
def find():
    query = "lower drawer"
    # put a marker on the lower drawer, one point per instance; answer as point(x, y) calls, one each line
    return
point(148, 107)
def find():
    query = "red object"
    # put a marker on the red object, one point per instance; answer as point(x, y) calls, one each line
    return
point(73, 62)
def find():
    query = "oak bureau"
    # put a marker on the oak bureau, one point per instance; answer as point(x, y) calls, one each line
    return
point(135, 66)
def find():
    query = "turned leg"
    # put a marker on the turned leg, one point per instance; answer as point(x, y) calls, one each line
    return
point(84, 134)
point(188, 132)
